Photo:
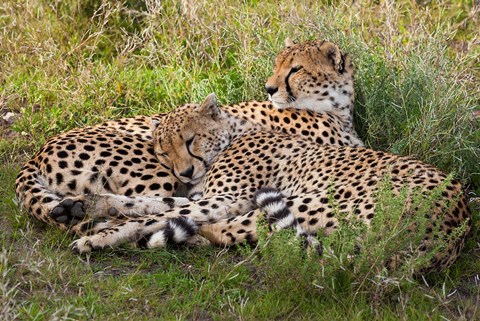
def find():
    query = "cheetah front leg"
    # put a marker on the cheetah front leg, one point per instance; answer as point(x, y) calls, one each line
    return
point(113, 205)
point(86, 214)
point(155, 230)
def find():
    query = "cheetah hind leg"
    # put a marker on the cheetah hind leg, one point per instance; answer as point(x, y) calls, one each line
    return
point(155, 230)
point(81, 211)
point(155, 233)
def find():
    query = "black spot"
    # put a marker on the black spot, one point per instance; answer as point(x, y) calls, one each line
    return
point(62, 154)
point(232, 238)
point(303, 208)
point(154, 187)
point(106, 184)
point(59, 178)
point(150, 222)
point(62, 164)
point(84, 156)
point(72, 184)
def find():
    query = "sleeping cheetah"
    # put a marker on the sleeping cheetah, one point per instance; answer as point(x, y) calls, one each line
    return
point(113, 164)
point(321, 183)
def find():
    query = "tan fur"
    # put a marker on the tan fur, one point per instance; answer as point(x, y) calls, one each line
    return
point(321, 184)
point(80, 174)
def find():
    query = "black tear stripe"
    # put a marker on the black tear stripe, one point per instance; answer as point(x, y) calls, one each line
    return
point(195, 156)
point(291, 97)
point(341, 69)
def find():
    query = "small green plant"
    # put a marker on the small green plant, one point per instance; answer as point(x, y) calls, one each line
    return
point(376, 263)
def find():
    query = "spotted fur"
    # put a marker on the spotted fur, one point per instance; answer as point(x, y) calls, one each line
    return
point(298, 83)
point(90, 172)
point(321, 184)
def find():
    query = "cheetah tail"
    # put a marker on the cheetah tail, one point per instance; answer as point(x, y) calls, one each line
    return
point(279, 216)
point(178, 230)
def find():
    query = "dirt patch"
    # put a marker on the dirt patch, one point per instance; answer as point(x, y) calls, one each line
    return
point(7, 118)
point(476, 114)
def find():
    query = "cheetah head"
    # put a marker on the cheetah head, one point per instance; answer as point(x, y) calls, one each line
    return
point(189, 138)
point(314, 75)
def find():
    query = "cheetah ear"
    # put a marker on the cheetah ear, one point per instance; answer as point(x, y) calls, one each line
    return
point(210, 107)
point(289, 42)
point(334, 54)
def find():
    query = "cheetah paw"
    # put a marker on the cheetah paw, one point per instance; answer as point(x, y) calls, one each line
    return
point(82, 246)
point(197, 240)
point(69, 211)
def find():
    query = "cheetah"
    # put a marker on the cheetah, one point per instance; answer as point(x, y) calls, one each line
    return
point(320, 184)
point(98, 168)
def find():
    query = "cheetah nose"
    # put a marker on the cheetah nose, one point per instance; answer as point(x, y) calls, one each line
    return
point(188, 173)
point(271, 90)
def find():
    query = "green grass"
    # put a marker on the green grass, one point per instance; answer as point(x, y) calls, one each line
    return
point(65, 64)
